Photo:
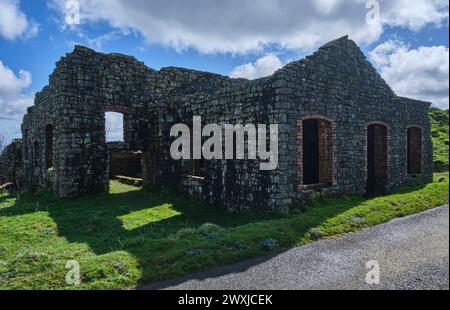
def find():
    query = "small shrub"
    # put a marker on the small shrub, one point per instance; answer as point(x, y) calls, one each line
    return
point(47, 231)
point(93, 275)
point(121, 269)
point(194, 252)
point(212, 234)
point(33, 256)
point(210, 230)
point(356, 220)
point(442, 179)
point(11, 273)
point(269, 243)
point(185, 232)
point(239, 246)
point(316, 233)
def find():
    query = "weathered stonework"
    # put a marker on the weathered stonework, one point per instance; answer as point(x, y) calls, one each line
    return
point(64, 132)
point(11, 163)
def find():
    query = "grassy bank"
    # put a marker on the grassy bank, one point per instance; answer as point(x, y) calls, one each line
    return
point(439, 134)
point(131, 236)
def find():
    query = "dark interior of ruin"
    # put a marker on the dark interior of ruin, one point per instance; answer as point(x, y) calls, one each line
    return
point(317, 152)
point(310, 151)
point(123, 162)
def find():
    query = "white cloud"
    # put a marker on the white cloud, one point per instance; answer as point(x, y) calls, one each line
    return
point(13, 100)
point(242, 26)
point(416, 14)
point(421, 73)
point(14, 23)
point(97, 42)
point(264, 66)
point(10, 84)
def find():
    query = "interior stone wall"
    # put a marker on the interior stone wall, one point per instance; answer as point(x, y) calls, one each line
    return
point(123, 162)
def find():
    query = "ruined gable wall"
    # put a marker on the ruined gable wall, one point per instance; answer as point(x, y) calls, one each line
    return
point(339, 84)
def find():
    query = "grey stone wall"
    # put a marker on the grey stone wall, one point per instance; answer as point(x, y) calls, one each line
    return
point(336, 83)
point(11, 163)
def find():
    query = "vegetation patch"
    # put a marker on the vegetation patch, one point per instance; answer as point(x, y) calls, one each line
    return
point(439, 132)
point(131, 236)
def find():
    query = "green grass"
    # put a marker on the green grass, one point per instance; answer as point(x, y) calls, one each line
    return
point(439, 132)
point(132, 236)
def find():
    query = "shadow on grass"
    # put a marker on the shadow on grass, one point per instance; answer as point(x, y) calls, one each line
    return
point(4, 198)
point(112, 222)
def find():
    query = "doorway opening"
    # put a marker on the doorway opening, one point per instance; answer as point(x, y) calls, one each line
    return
point(122, 161)
point(377, 160)
point(317, 152)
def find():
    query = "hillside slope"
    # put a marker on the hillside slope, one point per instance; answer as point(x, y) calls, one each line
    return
point(439, 133)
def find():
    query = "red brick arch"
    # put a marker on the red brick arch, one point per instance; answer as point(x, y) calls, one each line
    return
point(388, 138)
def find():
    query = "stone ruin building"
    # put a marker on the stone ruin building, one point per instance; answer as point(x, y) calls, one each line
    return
point(342, 130)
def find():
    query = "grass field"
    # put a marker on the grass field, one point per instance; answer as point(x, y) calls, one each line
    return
point(131, 236)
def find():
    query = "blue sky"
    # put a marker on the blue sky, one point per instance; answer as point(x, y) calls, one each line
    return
point(408, 45)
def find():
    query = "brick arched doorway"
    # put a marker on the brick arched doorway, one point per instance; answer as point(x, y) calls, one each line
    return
point(316, 153)
point(377, 159)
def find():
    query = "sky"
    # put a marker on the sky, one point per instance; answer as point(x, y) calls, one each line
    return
point(407, 41)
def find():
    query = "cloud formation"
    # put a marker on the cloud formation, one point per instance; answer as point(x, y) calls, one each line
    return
point(13, 100)
point(242, 26)
point(421, 73)
point(14, 23)
point(264, 66)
